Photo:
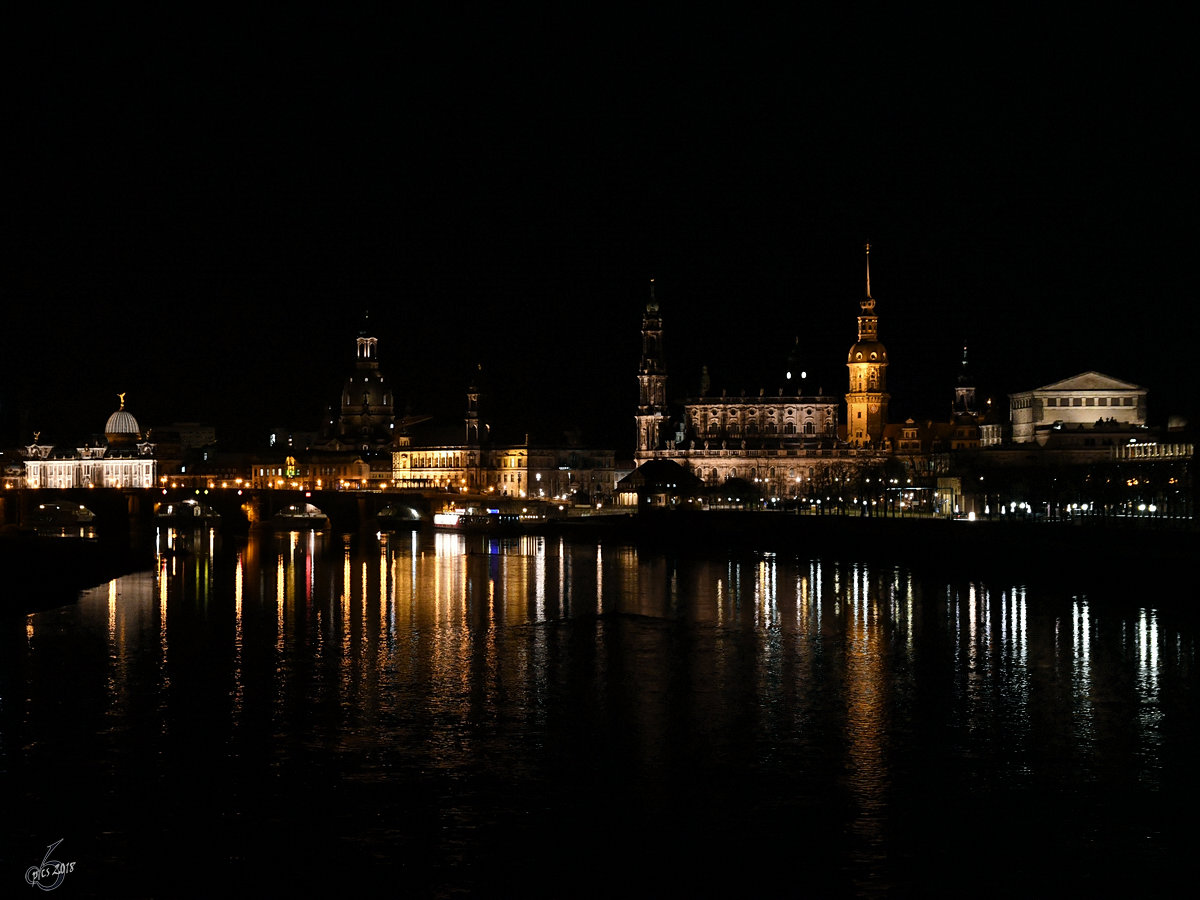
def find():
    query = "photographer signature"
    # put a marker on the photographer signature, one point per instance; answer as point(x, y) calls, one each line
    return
point(39, 876)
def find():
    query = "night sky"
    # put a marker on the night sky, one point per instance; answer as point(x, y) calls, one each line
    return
point(199, 213)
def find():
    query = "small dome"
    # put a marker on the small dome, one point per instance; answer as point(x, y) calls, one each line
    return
point(122, 426)
point(866, 349)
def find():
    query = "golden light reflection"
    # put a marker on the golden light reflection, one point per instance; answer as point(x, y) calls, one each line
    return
point(279, 594)
point(163, 593)
point(112, 612)
point(385, 587)
point(766, 606)
point(238, 639)
point(868, 698)
point(599, 580)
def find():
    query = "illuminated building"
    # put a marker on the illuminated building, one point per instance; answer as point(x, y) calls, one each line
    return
point(1089, 409)
point(867, 400)
point(477, 463)
point(122, 459)
point(788, 442)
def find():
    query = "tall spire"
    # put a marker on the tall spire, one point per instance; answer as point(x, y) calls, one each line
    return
point(869, 302)
point(652, 382)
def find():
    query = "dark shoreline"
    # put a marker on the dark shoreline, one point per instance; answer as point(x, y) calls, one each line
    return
point(1081, 552)
point(44, 572)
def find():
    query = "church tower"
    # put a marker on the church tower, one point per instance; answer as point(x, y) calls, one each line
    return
point(652, 382)
point(964, 392)
point(477, 431)
point(867, 400)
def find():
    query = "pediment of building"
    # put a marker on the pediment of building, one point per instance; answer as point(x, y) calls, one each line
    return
point(1090, 381)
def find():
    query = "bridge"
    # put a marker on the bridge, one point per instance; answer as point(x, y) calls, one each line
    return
point(118, 512)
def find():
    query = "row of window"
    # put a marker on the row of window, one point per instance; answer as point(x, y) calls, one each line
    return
point(752, 473)
point(436, 461)
point(789, 428)
point(809, 411)
point(1089, 401)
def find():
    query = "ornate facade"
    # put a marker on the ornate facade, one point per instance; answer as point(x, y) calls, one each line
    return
point(123, 459)
point(789, 443)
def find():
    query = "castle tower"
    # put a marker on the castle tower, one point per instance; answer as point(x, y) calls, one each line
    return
point(652, 382)
point(867, 400)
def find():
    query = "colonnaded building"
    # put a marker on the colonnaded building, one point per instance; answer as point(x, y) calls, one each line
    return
point(787, 444)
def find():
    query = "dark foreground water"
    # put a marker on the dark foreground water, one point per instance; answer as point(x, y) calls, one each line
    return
point(434, 715)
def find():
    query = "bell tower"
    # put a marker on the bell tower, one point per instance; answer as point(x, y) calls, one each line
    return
point(652, 382)
point(964, 392)
point(867, 399)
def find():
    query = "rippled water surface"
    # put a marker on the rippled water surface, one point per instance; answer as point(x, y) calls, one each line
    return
point(440, 715)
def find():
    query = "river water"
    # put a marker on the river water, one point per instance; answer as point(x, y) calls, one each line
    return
point(434, 715)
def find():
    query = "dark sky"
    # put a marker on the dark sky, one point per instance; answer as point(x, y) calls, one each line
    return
point(199, 212)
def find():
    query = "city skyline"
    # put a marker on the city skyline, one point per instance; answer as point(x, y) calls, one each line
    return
point(201, 221)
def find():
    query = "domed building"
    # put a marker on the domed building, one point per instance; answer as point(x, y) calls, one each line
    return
point(123, 459)
point(368, 411)
point(121, 429)
point(366, 421)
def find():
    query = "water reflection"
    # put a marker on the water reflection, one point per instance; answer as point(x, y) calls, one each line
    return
point(443, 703)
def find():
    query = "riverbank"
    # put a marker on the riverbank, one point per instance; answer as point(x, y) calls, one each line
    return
point(43, 572)
point(1081, 550)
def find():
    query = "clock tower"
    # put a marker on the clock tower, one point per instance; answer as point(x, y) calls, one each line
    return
point(867, 399)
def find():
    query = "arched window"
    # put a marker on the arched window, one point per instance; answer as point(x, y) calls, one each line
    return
point(808, 428)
